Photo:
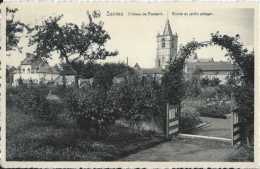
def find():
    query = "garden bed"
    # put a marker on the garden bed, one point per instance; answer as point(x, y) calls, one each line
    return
point(30, 139)
point(215, 110)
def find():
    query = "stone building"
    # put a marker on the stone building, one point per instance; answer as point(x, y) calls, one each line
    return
point(148, 73)
point(36, 70)
point(167, 50)
point(208, 68)
point(167, 44)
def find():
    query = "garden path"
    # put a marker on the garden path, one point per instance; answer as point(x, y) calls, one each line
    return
point(185, 149)
point(217, 127)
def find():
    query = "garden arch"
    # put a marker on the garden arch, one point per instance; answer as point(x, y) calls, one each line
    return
point(242, 117)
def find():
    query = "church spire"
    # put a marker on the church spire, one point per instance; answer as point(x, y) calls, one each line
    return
point(167, 28)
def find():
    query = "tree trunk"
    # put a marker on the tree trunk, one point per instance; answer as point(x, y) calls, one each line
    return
point(64, 81)
point(77, 81)
point(67, 60)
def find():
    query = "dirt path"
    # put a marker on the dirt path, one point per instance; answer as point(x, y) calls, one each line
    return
point(186, 149)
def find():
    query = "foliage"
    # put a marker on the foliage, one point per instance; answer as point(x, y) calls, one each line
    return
point(98, 109)
point(102, 74)
point(32, 100)
point(70, 41)
point(13, 29)
point(192, 88)
point(9, 74)
point(214, 110)
point(189, 119)
point(243, 82)
point(173, 82)
point(85, 70)
point(136, 102)
point(173, 79)
point(32, 139)
point(103, 78)
point(240, 55)
point(88, 107)
point(209, 82)
point(209, 93)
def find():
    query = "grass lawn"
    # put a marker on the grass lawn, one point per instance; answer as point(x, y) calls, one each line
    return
point(29, 139)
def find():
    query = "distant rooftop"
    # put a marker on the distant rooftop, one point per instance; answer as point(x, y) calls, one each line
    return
point(41, 66)
point(31, 59)
point(151, 70)
point(48, 69)
point(216, 66)
point(147, 70)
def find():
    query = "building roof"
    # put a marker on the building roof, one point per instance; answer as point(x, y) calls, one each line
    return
point(48, 69)
point(151, 70)
point(215, 66)
point(32, 59)
point(122, 74)
point(167, 28)
point(137, 66)
point(206, 60)
point(147, 70)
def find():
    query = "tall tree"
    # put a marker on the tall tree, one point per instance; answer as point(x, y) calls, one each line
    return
point(72, 42)
point(13, 28)
point(173, 82)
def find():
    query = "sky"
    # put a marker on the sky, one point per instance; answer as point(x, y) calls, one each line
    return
point(134, 34)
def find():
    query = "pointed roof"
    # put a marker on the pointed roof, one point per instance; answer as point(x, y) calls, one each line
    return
point(137, 66)
point(167, 28)
point(31, 59)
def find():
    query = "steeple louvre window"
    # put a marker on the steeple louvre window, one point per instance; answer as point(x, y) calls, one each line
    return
point(163, 43)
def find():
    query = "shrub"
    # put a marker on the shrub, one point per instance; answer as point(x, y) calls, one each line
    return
point(214, 110)
point(209, 82)
point(88, 108)
point(32, 100)
point(189, 119)
point(192, 89)
point(137, 102)
point(98, 109)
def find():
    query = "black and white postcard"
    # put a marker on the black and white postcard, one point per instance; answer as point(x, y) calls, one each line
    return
point(109, 84)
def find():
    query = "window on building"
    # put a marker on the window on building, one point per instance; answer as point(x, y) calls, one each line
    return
point(28, 70)
point(23, 70)
point(163, 43)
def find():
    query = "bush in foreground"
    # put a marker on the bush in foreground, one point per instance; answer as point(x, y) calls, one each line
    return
point(189, 119)
point(214, 110)
point(32, 100)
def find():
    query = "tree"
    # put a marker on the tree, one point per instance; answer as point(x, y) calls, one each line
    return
point(104, 76)
point(9, 74)
point(73, 43)
point(85, 70)
point(173, 82)
point(13, 28)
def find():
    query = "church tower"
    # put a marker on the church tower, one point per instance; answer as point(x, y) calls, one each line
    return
point(166, 46)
